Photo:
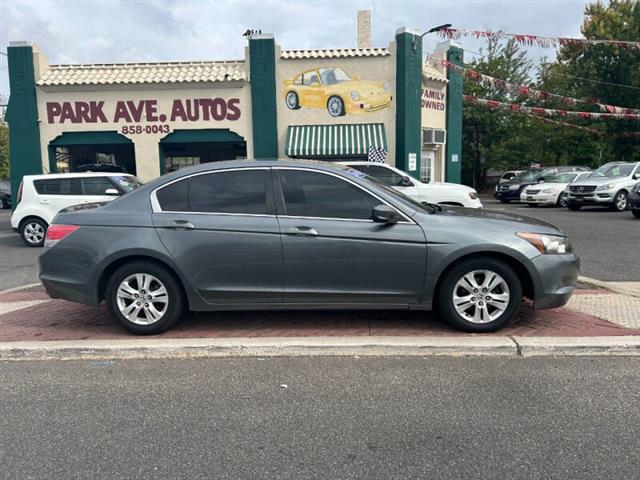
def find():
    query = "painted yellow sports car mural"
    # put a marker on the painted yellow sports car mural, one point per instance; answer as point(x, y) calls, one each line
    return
point(332, 88)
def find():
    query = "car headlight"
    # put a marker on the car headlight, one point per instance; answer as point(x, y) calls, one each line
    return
point(473, 195)
point(355, 95)
point(608, 186)
point(386, 87)
point(547, 243)
point(548, 190)
point(514, 187)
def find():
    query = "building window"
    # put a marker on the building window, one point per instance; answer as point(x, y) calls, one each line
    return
point(176, 163)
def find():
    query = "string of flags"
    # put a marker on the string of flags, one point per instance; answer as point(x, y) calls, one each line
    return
point(534, 40)
point(547, 112)
point(532, 93)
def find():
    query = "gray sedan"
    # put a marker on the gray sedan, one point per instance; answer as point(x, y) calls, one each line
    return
point(248, 235)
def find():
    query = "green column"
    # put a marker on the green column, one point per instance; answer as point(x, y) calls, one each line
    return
point(262, 75)
point(453, 152)
point(22, 116)
point(408, 89)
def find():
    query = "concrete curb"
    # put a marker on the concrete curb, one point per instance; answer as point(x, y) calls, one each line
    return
point(21, 287)
point(318, 346)
point(611, 286)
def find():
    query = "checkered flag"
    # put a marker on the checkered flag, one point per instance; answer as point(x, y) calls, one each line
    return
point(376, 154)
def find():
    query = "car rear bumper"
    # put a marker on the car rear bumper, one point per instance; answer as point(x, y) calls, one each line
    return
point(62, 278)
point(557, 278)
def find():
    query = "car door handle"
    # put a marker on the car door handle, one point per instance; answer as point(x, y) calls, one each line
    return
point(45, 202)
point(182, 225)
point(303, 231)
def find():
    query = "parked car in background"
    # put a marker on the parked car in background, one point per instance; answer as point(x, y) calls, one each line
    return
point(100, 167)
point(441, 193)
point(251, 235)
point(608, 186)
point(41, 197)
point(5, 200)
point(551, 192)
point(511, 190)
point(634, 200)
point(508, 175)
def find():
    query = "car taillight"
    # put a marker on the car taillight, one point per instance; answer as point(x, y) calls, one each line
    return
point(19, 197)
point(55, 233)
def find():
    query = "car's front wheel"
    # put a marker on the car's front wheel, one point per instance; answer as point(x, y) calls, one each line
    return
point(144, 297)
point(291, 100)
point(480, 295)
point(33, 232)
point(335, 106)
point(620, 202)
point(562, 200)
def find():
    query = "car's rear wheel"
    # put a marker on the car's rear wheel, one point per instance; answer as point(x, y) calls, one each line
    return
point(291, 100)
point(335, 106)
point(562, 200)
point(573, 206)
point(33, 232)
point(620, 202)
point(144, 297)
point(480, 295)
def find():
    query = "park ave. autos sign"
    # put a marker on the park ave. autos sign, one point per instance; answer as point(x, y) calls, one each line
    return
point(131, 112)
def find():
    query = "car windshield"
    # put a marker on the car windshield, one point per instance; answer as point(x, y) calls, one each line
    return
point(528, 175)
point(331, 76)
point(616, 170)
point(562, 178)
point(127, 184)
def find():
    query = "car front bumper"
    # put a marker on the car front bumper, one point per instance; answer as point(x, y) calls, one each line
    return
point(508, 195)
point(539, 198)
point(593, 198)
point(557, 278)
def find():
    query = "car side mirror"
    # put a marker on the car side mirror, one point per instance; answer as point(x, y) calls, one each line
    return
point(541, 180)
point(636, 176)
point(405, 181)
point(112, 192)
point(384, 214)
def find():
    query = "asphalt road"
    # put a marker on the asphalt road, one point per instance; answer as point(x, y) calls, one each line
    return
point(606, 241)
point(337, 418)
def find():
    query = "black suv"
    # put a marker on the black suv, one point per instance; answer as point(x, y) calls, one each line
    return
point(508, 191)
point(634, 200)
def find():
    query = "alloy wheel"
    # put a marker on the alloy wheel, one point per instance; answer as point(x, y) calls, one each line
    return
point(621, 202)
point(481, 296)
point(142, 299)
point(34, 233)
point(335, 106)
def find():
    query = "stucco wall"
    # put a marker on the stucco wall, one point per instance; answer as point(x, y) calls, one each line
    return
point(378, 69)
point(146, 144)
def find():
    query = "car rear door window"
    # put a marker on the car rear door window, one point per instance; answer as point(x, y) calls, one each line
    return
point(174, 197)
point(319, 195)
point(239, 191)
point(58, 186)
point(96, 185)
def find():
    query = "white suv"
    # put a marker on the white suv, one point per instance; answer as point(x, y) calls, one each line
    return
point(609, 186)
point(437, 192)
point(41, 197)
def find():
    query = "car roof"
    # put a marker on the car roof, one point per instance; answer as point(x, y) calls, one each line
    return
point(75, 175)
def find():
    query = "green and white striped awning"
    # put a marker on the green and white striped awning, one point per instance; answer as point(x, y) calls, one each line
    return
point(305, 141)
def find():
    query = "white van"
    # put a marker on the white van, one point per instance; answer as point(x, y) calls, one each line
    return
point(41, 197)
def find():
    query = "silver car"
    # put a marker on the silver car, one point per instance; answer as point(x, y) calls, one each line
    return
point(249, 235)
point(608, 186)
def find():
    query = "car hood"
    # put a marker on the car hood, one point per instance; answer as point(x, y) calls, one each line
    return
point(494, 216)
point(447, 185)
point(522, 182)
point(362, 86)
point(599, 180)
point(557, 186)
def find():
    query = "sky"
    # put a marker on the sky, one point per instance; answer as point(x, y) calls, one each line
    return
point(111, 31)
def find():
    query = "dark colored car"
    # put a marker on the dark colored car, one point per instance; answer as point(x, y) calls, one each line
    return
point(254, 235)
point(100, 167)
point(634, 200)
point(510, 191)
point(5, 200)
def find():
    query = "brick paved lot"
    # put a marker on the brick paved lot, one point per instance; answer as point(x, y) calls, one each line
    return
point(47, 319)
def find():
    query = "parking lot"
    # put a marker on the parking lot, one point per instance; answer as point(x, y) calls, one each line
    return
point(606, 241)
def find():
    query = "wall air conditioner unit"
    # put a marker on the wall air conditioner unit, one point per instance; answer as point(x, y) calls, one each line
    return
point(433, 136)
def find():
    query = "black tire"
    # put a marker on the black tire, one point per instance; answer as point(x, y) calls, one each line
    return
point(335, 106)
point(636, 212)
point(292, 101)
point(562, 200)
point(574, 207)
point(33, 231)
point(175, 305)
point(451, 278)
point(620, 202)
point(504, 200)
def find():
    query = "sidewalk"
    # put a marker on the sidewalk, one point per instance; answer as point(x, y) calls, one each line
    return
point(31, 316)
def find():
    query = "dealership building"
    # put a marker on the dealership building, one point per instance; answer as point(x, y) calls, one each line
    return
point(152, 118)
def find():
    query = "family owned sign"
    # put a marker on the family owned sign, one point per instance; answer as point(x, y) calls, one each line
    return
point(136, 111)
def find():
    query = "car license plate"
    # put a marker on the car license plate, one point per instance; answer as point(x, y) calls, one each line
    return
point(529, 198)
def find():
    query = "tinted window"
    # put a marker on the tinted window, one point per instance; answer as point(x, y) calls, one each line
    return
point(240, 191)
point(174, 197)
point(310, 194)
point(58, 186)
point(385, 175)
point(95, 185)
